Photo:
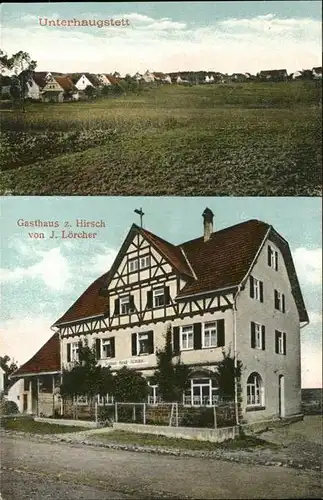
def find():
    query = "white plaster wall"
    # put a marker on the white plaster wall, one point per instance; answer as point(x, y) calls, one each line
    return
point(15, 394)
point(268, 363)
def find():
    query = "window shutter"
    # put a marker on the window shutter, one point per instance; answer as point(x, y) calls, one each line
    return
point(68, 346)
point(176, 339)
point(276, 342)
point(284, 340)
point(276, 261)
point(261, 285)
point(283, 303)
point(276, 300)
point(253, 334)
point(167, 295)
point(263, 334)
point(117, 307)
point(149, 299)
point(98, 348)
point(131, 303)
point(113, 348)
point(197, 336)
point(251, 288)
point(134, 344)
point(220, 333)
point(151, 341)
point(269, 255)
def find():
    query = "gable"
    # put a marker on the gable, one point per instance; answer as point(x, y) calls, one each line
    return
point(144, 256)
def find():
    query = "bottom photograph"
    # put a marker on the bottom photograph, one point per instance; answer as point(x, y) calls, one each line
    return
point(155, 335)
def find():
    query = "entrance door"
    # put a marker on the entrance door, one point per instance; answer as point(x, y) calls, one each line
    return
point(281, 395)
point(25, 402)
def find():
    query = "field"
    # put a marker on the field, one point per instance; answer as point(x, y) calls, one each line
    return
point(258, 139)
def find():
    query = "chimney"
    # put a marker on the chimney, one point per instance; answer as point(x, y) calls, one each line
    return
point(208, 224)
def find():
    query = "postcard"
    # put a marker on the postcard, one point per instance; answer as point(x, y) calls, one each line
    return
point(157, 98)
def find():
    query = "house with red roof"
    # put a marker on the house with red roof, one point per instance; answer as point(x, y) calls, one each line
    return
point(108, 80)
point(40, 377)
point(234, 289)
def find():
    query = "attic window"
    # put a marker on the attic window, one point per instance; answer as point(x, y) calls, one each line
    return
point(272, 258)
point(140, 263)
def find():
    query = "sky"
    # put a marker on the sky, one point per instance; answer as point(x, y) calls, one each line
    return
point(167, 36)
point(41, 278)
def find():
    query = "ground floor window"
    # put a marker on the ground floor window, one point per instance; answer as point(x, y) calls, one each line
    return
point(153, 397)
point(202, 392)
point(255, 390)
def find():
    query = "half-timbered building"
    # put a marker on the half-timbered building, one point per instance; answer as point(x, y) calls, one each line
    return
point(233, 289)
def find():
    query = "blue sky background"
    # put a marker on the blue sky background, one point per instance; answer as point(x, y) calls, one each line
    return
point(41, 278)
point(168, 36)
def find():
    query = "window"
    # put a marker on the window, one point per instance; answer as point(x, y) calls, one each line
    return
point(255, 396)
point(125, 305)
point(256, 289)
point(202, 392)
point(74, 351)
point(186, 337)
point(133, 265)
point(106, 348)
point(279, 301)
point(272, 258)
point(159, 297)
point(257, 336)
point(46, 384)
point(144, 262)
point(280, 342)
point(26, 384)
point(139, 263)
point(210, 334)
point(142, 343)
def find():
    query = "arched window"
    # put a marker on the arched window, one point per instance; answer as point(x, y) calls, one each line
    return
point(255, 390)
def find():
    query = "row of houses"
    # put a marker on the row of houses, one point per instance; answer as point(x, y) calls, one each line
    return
point(53, 86)
point(234, 289)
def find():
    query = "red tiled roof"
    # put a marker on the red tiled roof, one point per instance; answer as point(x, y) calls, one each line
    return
point(47, 359)
point(221, 262)
point(224, 260)
point(112, 79)
point(171, 252)
point(39, 78)
point(65, 82)
point(89, 304)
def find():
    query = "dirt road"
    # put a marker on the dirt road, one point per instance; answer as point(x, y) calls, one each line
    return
point(59, 470)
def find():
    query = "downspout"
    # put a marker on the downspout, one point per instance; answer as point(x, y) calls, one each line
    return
point(234, 312)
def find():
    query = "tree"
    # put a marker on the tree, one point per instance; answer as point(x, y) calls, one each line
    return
point(9, 366)
point(130, 386)
point(86, 378)
point(228, 373)
point(306, 74)
point(22, 67)
point(172, 378)
point(90, 91)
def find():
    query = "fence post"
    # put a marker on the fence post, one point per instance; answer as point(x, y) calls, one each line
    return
point(144, 414)
point(176, 414)
point(96, 412)
point(171, 415)
point(116, 412)
point(214, 414)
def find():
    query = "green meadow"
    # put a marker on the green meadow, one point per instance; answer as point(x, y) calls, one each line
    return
point(232, 140)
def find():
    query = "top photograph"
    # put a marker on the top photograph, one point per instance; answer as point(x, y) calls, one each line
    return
point(161, 99)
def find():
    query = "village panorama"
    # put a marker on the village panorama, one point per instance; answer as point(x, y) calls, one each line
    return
point(198, 132)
